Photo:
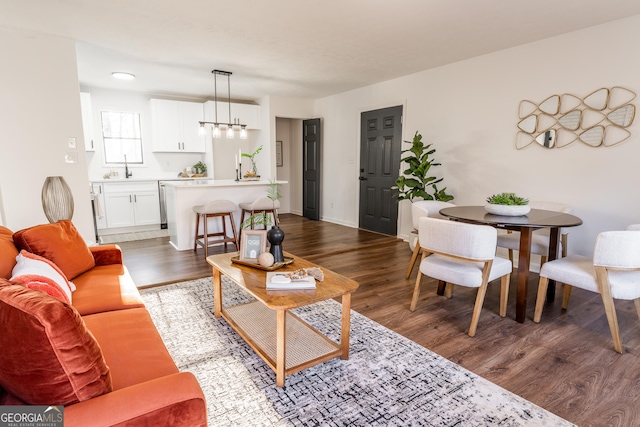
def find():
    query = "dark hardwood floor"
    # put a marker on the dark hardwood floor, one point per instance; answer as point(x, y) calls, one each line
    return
point(566, 364)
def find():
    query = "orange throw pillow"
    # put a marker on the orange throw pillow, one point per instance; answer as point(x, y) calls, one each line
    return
point(8, 252)
point(59, 242)
point(48, 355)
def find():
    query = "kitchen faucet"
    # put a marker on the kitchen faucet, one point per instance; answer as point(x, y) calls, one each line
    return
point(127, 174)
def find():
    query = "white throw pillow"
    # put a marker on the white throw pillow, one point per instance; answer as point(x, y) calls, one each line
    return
point(36, 272)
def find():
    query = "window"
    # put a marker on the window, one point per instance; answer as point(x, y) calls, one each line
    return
point(122, 137)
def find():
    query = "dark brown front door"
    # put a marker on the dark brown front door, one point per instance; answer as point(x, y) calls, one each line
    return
point(380, 145)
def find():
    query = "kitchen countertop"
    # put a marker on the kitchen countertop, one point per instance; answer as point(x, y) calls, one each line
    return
point(217, 183)
point(148, 178)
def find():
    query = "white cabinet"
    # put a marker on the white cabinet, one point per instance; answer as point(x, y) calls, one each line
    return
point(87, 121)
point(210, 112)
point(98, 205)
point(131, 204)
point(246, 114)
point(175, 126)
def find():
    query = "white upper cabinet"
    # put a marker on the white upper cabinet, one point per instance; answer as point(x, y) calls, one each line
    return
point(175, 126)
point(246, 114)
point(87, 121)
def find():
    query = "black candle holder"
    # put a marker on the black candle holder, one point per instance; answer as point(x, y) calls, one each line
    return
point(237, 175)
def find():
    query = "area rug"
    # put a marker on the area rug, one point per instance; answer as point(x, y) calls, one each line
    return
point(387, 381)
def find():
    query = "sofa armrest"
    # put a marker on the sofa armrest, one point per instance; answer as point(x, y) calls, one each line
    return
point(106, 254)
point(173, 400)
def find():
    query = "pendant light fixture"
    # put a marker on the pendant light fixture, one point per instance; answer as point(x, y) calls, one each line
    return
point(230, 131)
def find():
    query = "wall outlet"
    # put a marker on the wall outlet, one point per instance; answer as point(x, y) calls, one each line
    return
point(332, 205)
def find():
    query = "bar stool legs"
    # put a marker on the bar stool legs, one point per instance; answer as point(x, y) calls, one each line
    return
point(216, 208)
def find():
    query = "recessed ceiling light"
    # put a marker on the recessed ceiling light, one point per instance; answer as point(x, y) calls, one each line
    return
point(123, 76)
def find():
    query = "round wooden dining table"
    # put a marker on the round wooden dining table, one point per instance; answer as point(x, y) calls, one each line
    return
point(525, 224)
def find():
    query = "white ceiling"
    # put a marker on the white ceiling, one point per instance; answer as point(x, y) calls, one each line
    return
point(292, 48)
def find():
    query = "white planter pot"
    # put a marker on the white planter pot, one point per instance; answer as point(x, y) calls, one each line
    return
point(507, 210)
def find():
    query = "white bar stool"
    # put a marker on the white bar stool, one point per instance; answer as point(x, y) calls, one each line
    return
point(215, 208)
point(261, 204)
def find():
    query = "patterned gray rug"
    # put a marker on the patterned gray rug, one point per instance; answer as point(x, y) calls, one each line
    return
point(387, 381)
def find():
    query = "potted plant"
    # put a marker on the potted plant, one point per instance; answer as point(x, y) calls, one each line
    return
point(415, 181)
point(200, 169)
point(508, 204)
point(275, 235)
point(254, 171)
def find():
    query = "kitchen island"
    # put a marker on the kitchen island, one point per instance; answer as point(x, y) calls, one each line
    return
point(182, 196)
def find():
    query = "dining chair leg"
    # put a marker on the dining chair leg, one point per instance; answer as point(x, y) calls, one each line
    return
point(566, 295)
point(609, 307)
point(511, 256)
point(504, 294)
point(543, 259)
point(636, 302)
point(416, 288)
point(448, 290)
point(612, 318)
point(477, 308)
point(542, 295)
point(414, 258)
point(564, 242)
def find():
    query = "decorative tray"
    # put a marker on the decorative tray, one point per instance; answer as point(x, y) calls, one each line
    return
point(287, 260)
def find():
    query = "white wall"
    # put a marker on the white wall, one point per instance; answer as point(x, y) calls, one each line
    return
point(40, 107)
point(284, 118)
point(289, 131)
point(469, 111)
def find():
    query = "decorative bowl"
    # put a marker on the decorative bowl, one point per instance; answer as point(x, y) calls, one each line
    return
point(507, 210)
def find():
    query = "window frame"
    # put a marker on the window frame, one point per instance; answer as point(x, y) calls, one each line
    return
point(108, 141)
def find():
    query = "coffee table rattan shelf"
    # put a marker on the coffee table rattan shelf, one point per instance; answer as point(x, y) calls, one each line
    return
point(266, 324)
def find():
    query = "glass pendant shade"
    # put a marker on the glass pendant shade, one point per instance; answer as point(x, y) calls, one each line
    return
point(233, 122)
point(57, 200)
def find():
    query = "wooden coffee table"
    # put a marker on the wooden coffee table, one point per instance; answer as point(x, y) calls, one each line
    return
point(266, 323)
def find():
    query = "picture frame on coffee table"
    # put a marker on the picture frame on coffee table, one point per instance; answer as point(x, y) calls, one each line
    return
point(252, 244)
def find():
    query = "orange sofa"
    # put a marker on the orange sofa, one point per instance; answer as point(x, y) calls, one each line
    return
point(101, 356)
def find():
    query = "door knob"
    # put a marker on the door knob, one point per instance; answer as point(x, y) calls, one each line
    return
point(362, 178)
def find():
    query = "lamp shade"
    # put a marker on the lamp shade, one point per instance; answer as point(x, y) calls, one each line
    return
point(57, 200)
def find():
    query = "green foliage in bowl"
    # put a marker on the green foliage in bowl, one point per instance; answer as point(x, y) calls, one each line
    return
point(507, 199)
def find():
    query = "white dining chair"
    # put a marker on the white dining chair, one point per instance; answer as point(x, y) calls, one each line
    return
point(419, 209)
point(462, 254)
point(539, 238)
point(613, 272)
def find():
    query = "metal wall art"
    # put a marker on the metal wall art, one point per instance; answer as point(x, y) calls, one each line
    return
point(599, 119)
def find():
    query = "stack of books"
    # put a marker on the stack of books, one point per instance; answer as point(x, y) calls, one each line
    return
point(282, 281)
